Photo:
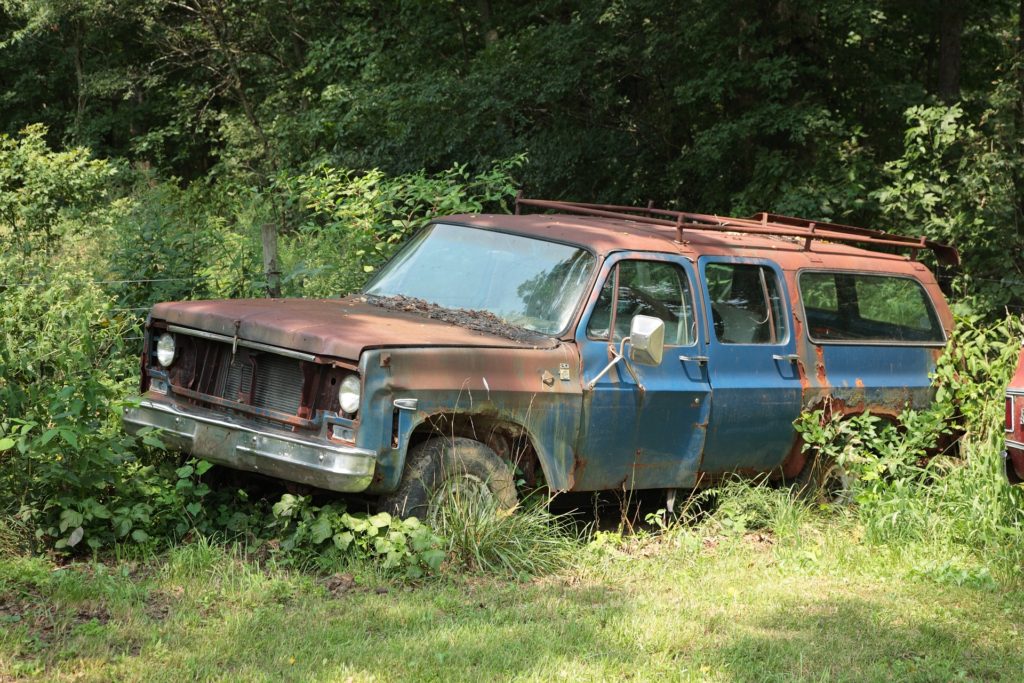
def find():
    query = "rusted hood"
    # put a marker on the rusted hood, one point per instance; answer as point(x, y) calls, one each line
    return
point(331, 327)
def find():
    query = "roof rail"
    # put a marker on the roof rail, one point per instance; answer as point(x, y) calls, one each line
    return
point(760, 224)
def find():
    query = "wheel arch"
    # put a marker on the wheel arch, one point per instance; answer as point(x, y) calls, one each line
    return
point(511, 440)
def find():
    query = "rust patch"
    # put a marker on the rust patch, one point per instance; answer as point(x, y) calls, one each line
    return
point(819, 366)
point(795, 459)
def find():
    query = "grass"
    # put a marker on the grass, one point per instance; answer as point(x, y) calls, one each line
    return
point(692, 604)
point(923, 583)
point(526, 541)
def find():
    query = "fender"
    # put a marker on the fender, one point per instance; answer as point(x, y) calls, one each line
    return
point(537, 390)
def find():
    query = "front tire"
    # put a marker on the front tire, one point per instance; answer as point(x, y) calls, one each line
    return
point(441, 465)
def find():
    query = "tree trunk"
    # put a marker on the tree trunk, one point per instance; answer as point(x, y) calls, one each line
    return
point(79, 81)
point(1018, 120)
point(951, 28)
point(270, 270)
point(487, 22)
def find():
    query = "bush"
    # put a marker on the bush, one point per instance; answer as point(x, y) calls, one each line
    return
point(353, 222)
point(63, 363)
point(907, 493)
point(328, 534)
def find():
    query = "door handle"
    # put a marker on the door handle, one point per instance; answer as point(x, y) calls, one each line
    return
point(698, 359)
point(791, 357)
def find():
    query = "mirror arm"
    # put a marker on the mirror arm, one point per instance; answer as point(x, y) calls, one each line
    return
point(632, 373)
point(617, 356)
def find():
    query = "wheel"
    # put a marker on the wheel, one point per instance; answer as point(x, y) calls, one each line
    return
point(444, 466)
point(823, 480)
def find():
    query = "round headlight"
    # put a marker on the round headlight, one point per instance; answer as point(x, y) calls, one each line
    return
point(349, 394)
point(165, 349)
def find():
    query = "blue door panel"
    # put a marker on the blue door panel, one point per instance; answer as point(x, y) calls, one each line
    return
point(892, 376)
point(639, 439)
point(755, 396)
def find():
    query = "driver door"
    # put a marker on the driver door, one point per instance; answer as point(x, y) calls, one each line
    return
point(648, 434)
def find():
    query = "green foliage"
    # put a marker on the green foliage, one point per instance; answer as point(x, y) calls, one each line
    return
point(67, 464)
point(49, 198)
point(976, 367)
point(907, 492)
point(525, 541)
point(328, 533)
point(353, 222)
point(957, 181)
point(740, 506)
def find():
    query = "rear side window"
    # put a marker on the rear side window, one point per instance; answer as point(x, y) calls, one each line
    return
point(745, 304)
point(870, 308)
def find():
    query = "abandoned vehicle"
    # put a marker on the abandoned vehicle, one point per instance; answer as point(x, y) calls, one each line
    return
point(1014, 453)
point(599, 347)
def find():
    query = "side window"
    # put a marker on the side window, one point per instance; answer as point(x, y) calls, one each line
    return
point(651, 288)
point(746, 304)
point(862, 307)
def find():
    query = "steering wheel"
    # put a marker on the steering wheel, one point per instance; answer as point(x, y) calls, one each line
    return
point(658, 307)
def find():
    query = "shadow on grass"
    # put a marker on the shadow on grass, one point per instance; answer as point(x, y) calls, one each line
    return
point(234, 622)
point(857, 639)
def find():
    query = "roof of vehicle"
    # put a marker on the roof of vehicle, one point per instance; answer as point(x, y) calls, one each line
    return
point(607, 235)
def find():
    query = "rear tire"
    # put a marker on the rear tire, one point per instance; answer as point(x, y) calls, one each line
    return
point(445, 464)
point(824, 481)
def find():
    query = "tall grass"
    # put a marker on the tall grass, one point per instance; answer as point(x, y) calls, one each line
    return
point(967, 504)
point(525, 541)
point(739, 506)
point(14, 537)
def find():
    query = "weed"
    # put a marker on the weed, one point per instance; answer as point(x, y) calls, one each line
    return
point(525, 541)
point(14, 536)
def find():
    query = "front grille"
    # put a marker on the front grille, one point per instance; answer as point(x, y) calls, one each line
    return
point(278, 384)
point(238, 385)
point(256, 378)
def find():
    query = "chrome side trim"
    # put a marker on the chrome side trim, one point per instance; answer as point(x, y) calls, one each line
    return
point(1015, 444)
point(241, 342)
point(407, 403)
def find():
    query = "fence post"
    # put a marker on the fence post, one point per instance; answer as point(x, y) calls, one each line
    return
point(270, 270)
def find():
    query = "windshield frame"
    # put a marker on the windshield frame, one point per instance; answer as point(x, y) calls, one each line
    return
point(573, 320)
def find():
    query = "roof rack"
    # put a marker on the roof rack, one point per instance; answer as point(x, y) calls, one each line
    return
point(760, 224)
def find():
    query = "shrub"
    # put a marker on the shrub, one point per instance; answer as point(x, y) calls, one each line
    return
point(906, 494)
point(353, 222)
point(328, 534)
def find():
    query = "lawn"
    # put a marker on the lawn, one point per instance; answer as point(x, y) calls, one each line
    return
point(814, 603)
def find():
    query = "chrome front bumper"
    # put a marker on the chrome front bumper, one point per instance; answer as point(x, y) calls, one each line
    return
point(244, 445)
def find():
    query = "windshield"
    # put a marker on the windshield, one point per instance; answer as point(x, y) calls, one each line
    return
point(526, 282)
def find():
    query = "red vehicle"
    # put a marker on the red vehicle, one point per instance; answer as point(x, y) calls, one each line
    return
point(1015, 425)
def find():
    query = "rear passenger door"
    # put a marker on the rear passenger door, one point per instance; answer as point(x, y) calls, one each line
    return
point(751, 365)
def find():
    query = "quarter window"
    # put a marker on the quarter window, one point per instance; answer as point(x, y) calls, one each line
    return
point(746, 304)
point(873, 308)
point(654, 288)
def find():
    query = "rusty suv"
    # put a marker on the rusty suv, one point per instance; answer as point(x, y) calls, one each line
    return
point(600, 347)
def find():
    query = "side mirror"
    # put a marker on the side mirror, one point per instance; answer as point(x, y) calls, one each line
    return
point(646, 340)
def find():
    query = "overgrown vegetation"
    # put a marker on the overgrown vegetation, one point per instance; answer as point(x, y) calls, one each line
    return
point(881, 113)
point(906, 488)
point(85, 247)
